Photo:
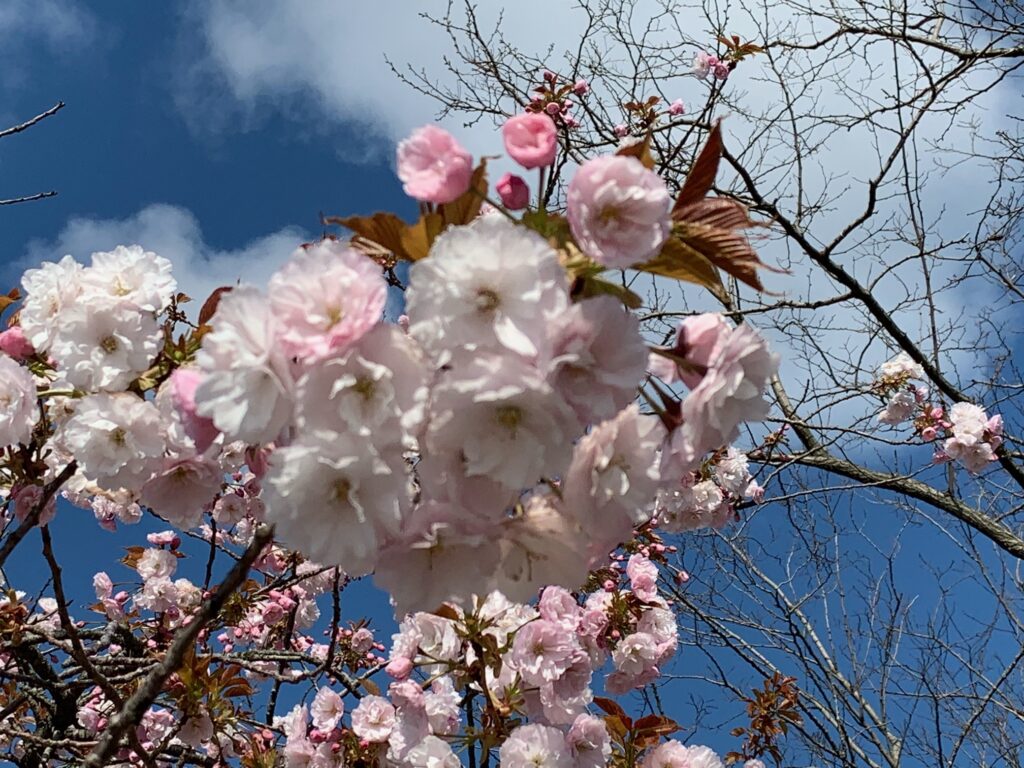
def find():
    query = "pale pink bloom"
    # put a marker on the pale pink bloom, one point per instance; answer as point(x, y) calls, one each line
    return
point(327, 709)
point(501, 415)
point(733, 473)
point(968, 420)
point(156, 564)
point(721, 70)
point(589, 742)
point(598, 358)
point(374, 719)
point(247, 388)
point(535, 746)
point(703, 64)
point(432, 752)
point(541, 652)
point(441, 703)
point(621, 130)
point(181, 490)
point(433, 166)
point(513, 191)
point(361, 640)
point(14, 343)
point(660, 623)
point(643, 577)
point(436, 637)
point(19, 408)
point(994, 426)
point(611, 483)
point(899, 408)
point(132, 275)
point(618, 211)
point(676, 108)
point(196, 730)
point(229, 509)
point(49, 290)
point(27, 498)
point(488, 285)
point(672, 754)
point(531, 139)
point(334, 498)
point(181, 387)
point(399, 668)
point(975, 455)
point(901, 365)
point(697, 340)
point(103, 344)
point(326, 298)
point(558, 606)
point(541, 546)
point(117, 439)
point(730, 393)
point(636, 654)
point(157, 595)
point(377, 389)
point(688, 508)
point(444, 555)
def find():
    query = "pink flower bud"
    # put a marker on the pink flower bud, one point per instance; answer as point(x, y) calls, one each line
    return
point(399, 668)
point(936, 412)
point(609, 585)
point(553, 108)
point(550, 76)
point(580, 87)
point(14, 343)
point(621, 130)
point(676, 108)
point(928, 434)
point(514, 192)
point(682, 577)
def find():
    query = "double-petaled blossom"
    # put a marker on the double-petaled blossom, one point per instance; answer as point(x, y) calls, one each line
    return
point(618, 211)
point(433, 166)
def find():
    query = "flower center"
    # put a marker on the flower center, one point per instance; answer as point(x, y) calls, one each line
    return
point(487, 300)
point(365, 388)
point(118, 436)
point(509, 416)
point(109, 345)
point(341, 490)
point(334, 315)
point(609, 215)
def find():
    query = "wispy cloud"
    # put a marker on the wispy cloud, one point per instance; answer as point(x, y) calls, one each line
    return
point(174, 233)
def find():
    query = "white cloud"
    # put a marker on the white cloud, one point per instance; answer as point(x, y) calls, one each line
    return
point(174, 233)
point(57, 23)
point(59, 27)
point(318, 60)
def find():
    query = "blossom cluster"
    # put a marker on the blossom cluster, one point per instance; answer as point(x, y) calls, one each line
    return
point(967, 434)
point(483, 450)
point(535, 662)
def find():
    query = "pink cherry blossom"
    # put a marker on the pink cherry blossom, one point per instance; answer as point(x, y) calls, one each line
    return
point(433, 166)
point(618, 211)
point(531, 139)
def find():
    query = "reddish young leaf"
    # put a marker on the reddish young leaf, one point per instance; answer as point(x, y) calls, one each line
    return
point(702, 174)
point(210, 305)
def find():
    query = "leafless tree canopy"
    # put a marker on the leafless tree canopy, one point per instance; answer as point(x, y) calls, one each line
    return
point(881, 144)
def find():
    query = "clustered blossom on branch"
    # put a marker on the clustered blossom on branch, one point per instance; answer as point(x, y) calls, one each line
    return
point(482, 451)
point(967, 434)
